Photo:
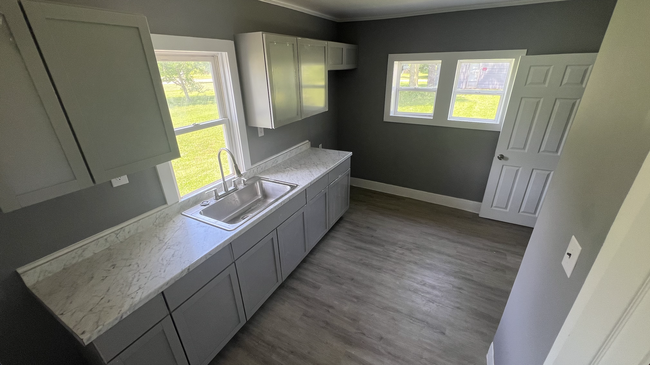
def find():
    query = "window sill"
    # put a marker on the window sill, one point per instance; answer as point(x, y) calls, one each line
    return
point(482, 126)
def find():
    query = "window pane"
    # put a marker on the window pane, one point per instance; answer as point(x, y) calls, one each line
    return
point(189, 89)
point(416, 102)
point(419, 74)
point(198, 164)
point(482, 75)
point(476, 106)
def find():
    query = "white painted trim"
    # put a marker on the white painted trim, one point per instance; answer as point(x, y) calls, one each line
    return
point(606, 264)
point(301, 9)
point(446, 89)
point(168, 182)
point(235, 106)
point(489, 358)
point(447, 201)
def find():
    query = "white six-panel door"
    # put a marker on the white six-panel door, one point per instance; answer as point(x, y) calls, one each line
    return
point(544, 101)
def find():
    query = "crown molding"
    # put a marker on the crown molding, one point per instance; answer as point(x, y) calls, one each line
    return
point(407, 14)
point(300, 9)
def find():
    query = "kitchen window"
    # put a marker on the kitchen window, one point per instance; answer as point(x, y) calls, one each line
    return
point(204, 100)
point(455, 89)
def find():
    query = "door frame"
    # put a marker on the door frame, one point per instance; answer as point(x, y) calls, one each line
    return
point(593, 324)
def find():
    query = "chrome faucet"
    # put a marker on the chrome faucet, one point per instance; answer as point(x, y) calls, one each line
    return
point(227, 191)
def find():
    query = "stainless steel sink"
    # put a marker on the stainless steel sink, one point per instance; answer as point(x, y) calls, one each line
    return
point(238, 207)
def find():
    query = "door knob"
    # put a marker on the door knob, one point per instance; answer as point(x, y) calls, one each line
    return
point(501, 157)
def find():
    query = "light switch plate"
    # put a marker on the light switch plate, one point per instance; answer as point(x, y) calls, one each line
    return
point(571, 256)
point(260, 132)
point(119, 181)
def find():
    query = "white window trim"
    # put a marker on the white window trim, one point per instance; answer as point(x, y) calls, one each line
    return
point(396, 89)
point(441, 110)
point(232, 102)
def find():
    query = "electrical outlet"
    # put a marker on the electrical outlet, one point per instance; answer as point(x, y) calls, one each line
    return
point(119, 181)
point(260, 132)
point(571, 256)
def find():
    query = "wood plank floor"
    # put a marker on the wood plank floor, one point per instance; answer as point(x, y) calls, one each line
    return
point(396, 281)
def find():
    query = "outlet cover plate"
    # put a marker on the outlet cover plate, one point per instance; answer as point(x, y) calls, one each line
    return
point(571, 256)
point(119, 181)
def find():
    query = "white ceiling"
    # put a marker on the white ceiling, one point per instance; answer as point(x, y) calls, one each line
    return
point(355, 10)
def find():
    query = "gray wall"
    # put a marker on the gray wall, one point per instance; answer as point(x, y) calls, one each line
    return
point(447, 161)
point(28, 333)
point(605, 149)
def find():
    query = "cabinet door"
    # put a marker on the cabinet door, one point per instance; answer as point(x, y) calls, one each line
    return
point(160, 346)
point(209, 319)
point(259, 273)
point(293, 242)
point(313, 76)
point(339, 197)
point(282, 68)
point(341, 56)
point(39, 158)
point(316, 218)
point(105, 72)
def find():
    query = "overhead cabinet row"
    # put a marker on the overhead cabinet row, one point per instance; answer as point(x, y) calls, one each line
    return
point(88, 108)
point(285, 78)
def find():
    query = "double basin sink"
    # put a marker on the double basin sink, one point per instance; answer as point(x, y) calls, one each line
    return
point(238, 207)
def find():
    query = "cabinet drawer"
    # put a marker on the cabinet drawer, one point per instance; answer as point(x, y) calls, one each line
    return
point(194, 280)
point(265, 226)
point(318, 186)
point(339, 170)
point(129, 329)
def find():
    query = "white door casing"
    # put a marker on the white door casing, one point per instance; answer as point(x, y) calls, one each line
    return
point(609, 321)
point(544, 101)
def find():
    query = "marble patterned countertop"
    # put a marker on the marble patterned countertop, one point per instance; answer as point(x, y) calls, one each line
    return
point(92, 295)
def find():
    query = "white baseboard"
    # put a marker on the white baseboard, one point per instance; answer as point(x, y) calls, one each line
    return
point(490, 355)
point(448, 201)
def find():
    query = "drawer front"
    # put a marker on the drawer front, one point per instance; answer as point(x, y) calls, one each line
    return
point(259, 273)
point(129, 329)
point(259, 230)
point(318, 186)
point(194, 280)
point(339, 170)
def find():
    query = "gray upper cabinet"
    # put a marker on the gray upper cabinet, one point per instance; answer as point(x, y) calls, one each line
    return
point(284, 78)
point(312, 55)
point(160, 346)
point(39, 158)
point(104, 70)
point(259, 273)
point(341, 56)
point(209, 319)
point(293, 242)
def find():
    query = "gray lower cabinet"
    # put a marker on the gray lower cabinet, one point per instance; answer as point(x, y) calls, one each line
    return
point(209, 319)
point(160, 346)
point(292, 239)
point(259, 273)
point(316, 218)
point(339, 197)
